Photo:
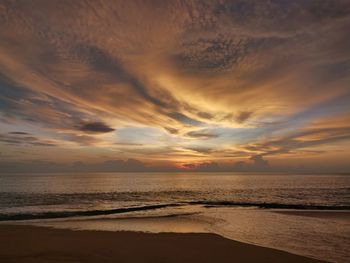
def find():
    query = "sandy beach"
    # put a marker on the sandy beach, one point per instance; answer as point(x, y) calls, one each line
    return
point(40, 244)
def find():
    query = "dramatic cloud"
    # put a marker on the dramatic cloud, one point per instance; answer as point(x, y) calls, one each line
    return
point(176, 82)
point(98, 127)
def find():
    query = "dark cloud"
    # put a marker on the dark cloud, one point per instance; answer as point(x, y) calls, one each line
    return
point(205, 115)
point(259, 161)
point(171, 130)
point(202, 167)
point(201, 135)
point(256, 163)
point(19, 133)
point(22, 139)
point(243, 116)
point(83, 140)
point(184, 119)
point(299, 141)
point(128, 144)
point(18, 104)
point(189, 165)
point(129, 165)
point(208, 166)
point(221, 52)
point(203, 150)
point(10, 99)
point(96, 127)
point(280, 16)
point(105, 62)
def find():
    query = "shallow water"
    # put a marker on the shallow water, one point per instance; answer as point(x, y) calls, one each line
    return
point(237, 206)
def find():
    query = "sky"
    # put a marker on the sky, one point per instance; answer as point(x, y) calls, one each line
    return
point(175, 85)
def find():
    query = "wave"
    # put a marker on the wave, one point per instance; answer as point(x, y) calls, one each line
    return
point(65, 214)
point(270, 205)
point(205, 204)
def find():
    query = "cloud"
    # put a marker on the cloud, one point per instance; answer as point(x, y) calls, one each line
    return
point(256, 163)
point(82, 139)
point(22, 139)
point(129, 165)
point(201, 150)
point(243, 116)
point(184, 119)
point(201, 167)
point(96, 127)
point(254, 76)
point(299, 141)
point(100, 60)
point(259, 162)
point(19, 133)
point(205, 115)
point(204, 135)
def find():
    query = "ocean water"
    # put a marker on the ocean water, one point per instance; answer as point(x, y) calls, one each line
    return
point(304, 214)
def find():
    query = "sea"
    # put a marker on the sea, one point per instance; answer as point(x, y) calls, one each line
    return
point(300, 213)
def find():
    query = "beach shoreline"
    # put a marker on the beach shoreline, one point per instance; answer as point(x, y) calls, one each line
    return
point(22, 243)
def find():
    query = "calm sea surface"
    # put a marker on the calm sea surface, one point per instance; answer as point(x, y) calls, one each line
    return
point(303, 214)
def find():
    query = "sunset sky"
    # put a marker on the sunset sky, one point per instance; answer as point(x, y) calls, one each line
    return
point(175, 85)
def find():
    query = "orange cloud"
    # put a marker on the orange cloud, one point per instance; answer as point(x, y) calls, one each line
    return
point(189, 81)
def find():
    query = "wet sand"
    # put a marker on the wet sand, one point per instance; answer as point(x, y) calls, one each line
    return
point(40, 244)
point(344, 215)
